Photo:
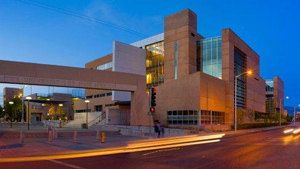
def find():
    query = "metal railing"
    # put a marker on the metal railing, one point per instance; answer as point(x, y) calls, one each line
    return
point(98, 119)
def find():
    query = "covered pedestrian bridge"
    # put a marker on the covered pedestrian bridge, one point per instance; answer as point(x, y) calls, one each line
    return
point(63, 76)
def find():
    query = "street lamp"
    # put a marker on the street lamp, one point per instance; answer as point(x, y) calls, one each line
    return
point(87, 117)
point(60, 105)
point(249, 73)
point(295, 114)
point(23, 87)
point(11, 103)
point(28, 98)
point(287, 97)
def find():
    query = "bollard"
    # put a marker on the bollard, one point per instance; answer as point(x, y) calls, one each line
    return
point(21, 137)
point(53, 133)
point(98, 135)
point(56, 133)
point(75, 136)
point(50, 136)
point(103, 137)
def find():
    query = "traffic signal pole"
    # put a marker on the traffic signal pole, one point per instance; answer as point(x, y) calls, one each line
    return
point(150, 94)
point(152, 104)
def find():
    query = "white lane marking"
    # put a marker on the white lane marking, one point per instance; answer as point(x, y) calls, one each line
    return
point(66, 164)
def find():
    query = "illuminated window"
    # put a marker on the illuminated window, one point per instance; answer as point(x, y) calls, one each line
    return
point(154, 64)
point(149, 79)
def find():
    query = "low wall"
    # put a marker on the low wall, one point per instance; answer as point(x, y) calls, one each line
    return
point(142, 131)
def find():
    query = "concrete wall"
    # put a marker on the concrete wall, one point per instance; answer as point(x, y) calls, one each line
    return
point(81, 105)
point(129, 59)
point(117, 116)
point(180, 28)
point(278, 92)
point(197, 91)
point(93, 65)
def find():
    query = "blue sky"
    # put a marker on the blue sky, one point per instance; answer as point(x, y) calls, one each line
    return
point(33, 34)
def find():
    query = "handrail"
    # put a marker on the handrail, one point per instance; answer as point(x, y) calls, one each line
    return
point(102, 116)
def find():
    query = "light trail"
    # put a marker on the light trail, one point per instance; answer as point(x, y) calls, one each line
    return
point(135, 147)
point(296, 131)
point(287, 131)
point(173, 141)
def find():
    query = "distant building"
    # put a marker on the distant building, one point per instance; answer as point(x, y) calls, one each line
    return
point(274, 95)
point(50, 106)
point(10, 93)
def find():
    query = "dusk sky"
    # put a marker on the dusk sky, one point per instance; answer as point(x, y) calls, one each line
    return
point(35, 34)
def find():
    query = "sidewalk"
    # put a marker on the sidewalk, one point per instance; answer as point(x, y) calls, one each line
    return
point(247, 131)
point(32, 146)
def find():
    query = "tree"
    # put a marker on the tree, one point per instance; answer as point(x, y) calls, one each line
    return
point(240, 115)
point(250, 114)
point(274, 117)
point(17, 109)
point(13, 111)
point(1, 112)
point(289, 118)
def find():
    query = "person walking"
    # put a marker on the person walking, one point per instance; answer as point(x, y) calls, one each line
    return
point(162, 129)
point(157, 130)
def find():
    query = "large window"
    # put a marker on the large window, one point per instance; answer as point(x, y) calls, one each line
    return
point(270, 107)
point(183, 117)
point(191, 117)
point(240, 66)
point(217, 117)
point(269, 86)
point(175, 60)
point(105, 66)
point(154, 64)
point(209, 56)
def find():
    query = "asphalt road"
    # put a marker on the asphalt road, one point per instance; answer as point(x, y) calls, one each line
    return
point(263, 150)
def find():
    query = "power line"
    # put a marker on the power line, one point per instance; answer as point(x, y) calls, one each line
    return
point(81, 16)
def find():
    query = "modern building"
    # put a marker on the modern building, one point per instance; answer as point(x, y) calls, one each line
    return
point(194, 75)
point(274, 95)
point(50, 106)
point(10, 93)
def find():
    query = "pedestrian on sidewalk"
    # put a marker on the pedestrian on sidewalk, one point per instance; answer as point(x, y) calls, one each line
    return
point(162, 129)
point(157, 130)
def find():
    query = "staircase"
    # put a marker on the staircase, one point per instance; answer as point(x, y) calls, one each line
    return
point(80, 118)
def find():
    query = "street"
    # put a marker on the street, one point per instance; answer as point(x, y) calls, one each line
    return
point(267, 149)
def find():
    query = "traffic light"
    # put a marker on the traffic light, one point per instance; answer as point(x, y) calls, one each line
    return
point(152, 110)
point(153, 97)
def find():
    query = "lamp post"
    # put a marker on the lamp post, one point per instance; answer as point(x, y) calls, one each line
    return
point(60, 107)
point(87, 117)
point(249, 72)
point(11, 103)
point(295, 114)
point(23, 87)
point(287, 97)
point(28, 98)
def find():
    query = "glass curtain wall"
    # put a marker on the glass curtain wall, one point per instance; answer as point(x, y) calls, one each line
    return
point(209, 56)
point(240, 66)
point(191, 117)
point(183, 117)
point(270, 96)
point(154, 64)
